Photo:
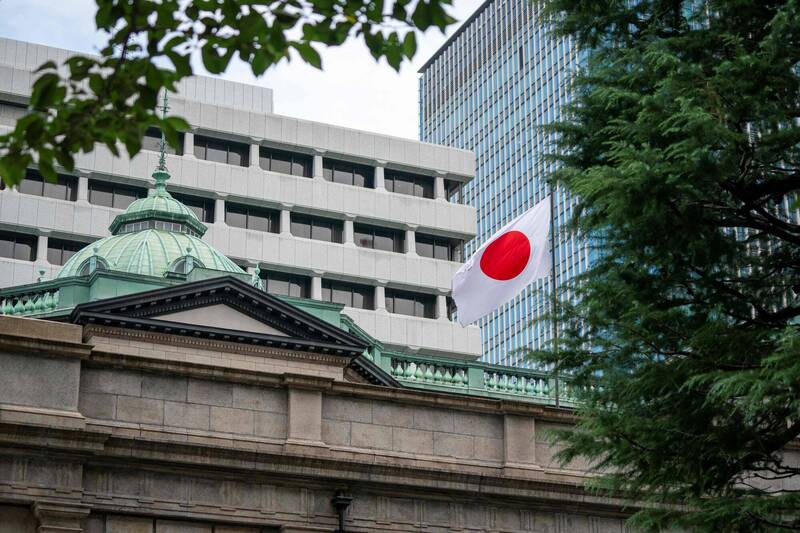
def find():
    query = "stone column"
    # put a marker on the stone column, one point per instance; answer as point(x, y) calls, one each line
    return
point(83, 189)
point(411, 239)
point(318, 163)
point(316, 286)
point(380, 167)
point(438, 186)
point(255, 154)
point(219, 210)
point(441, 307)
point(349, 232)
point(519, 441)
point(41, 246)
point(188, 144)
point(304, 422)
point(380, 296)
point(286, 219)
point(59, 517)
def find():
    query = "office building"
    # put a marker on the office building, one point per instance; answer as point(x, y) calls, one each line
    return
point(489, 89)
point(321, 212)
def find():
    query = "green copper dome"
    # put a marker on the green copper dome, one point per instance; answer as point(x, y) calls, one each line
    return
point(154, 236)
point(150, 252)
point(159, 205)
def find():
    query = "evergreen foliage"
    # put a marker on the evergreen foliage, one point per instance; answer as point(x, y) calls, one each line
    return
point(112, 99)
point(683, 147)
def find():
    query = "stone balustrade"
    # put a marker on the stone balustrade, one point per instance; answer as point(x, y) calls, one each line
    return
point(475, 378)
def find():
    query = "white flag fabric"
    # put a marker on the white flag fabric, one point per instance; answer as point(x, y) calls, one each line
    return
point(514, 257)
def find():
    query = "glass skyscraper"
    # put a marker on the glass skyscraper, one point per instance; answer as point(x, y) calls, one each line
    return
point(490, 89)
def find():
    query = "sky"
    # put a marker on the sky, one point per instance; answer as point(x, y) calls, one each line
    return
point(352, 90)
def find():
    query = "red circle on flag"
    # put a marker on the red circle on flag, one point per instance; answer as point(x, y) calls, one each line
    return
point(506, 256)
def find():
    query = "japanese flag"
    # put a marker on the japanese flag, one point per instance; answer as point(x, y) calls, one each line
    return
point(514, 257)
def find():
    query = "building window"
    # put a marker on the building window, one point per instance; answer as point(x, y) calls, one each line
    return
point(348, 173)
point(283, 284)
point(10, 112)
point(452, 310)
point(454, 191)
point(411, 303)
point(64, 188)
point(202, 207)
point(251, 217)
point(389, 240)
point(59, 251)
point(220, 151)
point(18, 246)
point(285, 162)
point(320, 229)
point(166, 225)
point(348, 294)
point(152, 142)
point(413, 185)
point(113, 195)
point(440, 248)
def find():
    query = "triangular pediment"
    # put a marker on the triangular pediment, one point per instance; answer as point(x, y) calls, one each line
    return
point(220, 316)
point(223, 308)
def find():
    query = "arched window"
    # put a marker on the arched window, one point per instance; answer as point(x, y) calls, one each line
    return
point(185, 264)
point(86, 267)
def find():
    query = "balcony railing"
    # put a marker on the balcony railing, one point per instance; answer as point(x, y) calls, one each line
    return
point(474, 378)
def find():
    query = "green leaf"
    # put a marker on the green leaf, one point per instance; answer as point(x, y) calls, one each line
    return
point(47, 65)
point(44, 90)
point(309, 55)
point(410, 44)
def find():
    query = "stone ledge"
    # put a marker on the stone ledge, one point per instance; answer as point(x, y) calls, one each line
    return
point(44, 330)
point(41, 417)
point(42, 347)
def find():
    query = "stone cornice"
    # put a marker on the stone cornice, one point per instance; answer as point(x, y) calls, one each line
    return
point(363, 469)
point(199, 343)
point(455, 401)
point(44, 347)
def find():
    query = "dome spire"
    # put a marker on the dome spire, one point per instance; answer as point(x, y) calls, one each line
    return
point(161, 174)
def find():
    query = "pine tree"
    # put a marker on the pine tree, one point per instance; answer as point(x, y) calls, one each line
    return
point(682, 144)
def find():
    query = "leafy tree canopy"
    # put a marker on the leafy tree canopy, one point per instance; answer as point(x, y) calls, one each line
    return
point(682, 144)
point(112, 98)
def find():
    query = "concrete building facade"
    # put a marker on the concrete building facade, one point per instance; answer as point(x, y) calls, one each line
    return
point(322, 212)
point(490, 89)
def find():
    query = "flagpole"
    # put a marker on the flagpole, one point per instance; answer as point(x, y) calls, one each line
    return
point(553, 297)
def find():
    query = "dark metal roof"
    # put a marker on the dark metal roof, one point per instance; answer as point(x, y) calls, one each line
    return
point(304, 331)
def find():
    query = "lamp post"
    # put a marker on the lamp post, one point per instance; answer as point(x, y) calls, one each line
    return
point(341, 502)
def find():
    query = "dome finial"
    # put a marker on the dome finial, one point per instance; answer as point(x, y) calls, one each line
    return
point(161, 174)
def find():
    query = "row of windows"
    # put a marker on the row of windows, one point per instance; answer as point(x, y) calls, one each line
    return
point(421, 186)
point(352, 294)
point(64, 188)
point(331, 230)
point(110, 194)
point(385, 239)
point(18, 246)
point(118, 196)
point(348, 173)
point(166, 225)
point(23, 246)
point(317, 228)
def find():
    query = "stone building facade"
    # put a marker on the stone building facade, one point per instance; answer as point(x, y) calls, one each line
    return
point(109, 424)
